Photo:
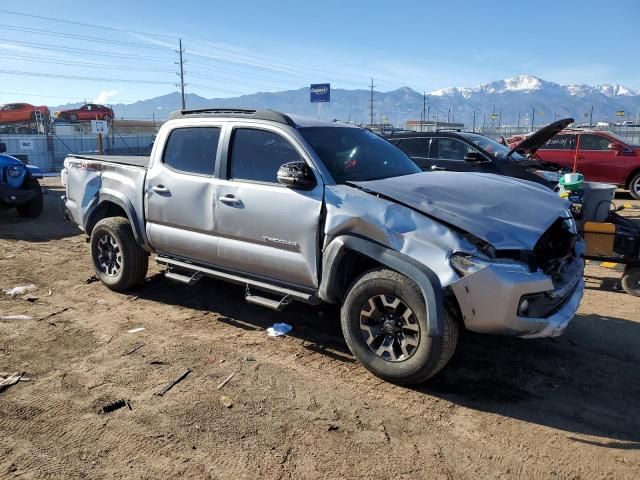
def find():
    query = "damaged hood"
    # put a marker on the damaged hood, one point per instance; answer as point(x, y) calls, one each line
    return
point(503, 211)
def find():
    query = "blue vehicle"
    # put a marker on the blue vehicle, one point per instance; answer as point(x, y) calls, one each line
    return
point(19, 186)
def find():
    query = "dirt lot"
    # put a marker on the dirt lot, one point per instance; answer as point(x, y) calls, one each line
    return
point(301, 406)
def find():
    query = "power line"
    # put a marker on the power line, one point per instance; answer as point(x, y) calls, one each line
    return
point(77, 77)
point(39, 31)
point(48, 46)
point(85, 64)
point(106, 27)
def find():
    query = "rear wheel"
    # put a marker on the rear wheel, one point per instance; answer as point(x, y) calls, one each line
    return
point(119, 261)
point(631, 281)
point(34, 207)
point(385, 326)
point(634, 186)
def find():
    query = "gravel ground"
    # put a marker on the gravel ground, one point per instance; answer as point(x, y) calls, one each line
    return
point(298, 406)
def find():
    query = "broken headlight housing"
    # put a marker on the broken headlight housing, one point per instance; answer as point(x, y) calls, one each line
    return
point(465, 264)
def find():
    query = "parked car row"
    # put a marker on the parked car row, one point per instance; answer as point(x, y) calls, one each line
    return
point(27, 113)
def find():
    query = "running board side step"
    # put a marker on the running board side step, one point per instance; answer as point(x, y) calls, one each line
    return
point(178, 277)
point(277, 305)
point(199, 271)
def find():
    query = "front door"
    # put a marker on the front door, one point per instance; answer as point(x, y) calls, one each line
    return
point(448, 154)
point(597, 162)
point(180, 195)
point(265, 228)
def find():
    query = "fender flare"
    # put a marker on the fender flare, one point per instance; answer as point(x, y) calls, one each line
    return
point(126, 205)
point(427, 280)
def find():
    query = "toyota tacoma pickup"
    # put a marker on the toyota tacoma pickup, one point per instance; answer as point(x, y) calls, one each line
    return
point(295, 209)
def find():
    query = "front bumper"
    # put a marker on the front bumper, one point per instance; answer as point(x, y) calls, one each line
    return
point(489, 300)
point(14, 196)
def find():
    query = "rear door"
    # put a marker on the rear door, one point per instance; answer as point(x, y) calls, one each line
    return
point(181, 194)
point(417, 148)
point(560, 149)
point(265, 228)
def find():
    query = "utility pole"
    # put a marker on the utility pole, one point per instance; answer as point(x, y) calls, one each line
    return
point(518, 122)
point(533, 117)
point(449, 115)
point(591, 117)
point(371, 112)
point(181, 74)
point(424, 110)
point(474, 122)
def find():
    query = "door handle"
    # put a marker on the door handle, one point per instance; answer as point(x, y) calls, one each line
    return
point(230, 200)
point(581, 157)
point(160, 189)
point(436, 167)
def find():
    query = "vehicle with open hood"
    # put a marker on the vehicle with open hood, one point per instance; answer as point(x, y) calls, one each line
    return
point(296, 209)
point(600, 155)
point(460, 151)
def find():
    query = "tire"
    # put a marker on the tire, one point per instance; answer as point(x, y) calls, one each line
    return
point(421, 357)
point(34, 208)
point(634, 186)
point(631, 281)
point(118, 260)
point(73, 117)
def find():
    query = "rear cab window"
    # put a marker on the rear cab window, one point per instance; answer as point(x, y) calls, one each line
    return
point(256, 155)
point(192, 150)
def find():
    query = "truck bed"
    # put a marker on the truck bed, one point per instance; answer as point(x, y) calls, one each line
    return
point(131, 160)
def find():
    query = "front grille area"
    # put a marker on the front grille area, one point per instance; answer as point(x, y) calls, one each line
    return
point(555, 248)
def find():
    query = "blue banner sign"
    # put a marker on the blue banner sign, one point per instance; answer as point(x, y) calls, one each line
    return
point(320, 92)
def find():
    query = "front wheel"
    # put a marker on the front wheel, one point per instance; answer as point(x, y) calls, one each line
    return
point(631, 281)
point(634, 186)
point(385, 326)
point(119, 261)
point(35, 205)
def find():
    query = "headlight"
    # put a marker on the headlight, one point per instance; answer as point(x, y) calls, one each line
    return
point(548, 176)
point(14, 171)
point(466, 264)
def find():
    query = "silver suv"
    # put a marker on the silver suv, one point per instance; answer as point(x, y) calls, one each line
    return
point(296, 209)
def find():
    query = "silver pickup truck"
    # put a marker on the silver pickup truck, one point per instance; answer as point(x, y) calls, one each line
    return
point(296, 209)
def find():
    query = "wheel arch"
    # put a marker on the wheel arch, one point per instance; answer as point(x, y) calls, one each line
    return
point(346, 257)
point(113, 205)
point(631, 176)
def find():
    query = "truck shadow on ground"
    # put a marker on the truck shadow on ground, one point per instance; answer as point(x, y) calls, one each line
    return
point(586, 382)
point(48, 226)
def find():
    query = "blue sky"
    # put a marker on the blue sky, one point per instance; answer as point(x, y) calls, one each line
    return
point(238, 47)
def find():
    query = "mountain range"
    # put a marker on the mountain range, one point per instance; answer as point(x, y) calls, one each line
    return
point(507, 101)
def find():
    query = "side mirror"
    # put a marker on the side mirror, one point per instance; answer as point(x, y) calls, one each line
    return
point(615, 146)
point(297, 175)
point(474, 157)
point(3, 147)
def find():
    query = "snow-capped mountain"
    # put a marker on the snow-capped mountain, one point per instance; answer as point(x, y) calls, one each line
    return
point(512, 100)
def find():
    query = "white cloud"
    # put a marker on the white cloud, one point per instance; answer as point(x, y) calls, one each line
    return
point(104, 96)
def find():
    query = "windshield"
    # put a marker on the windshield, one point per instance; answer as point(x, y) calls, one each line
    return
point(357, 155)
point(495, 149)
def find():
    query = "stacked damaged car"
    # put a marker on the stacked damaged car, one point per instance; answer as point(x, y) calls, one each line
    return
point(295, 209)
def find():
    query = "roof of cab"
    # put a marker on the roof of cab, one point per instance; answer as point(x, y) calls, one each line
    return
point(295, 121)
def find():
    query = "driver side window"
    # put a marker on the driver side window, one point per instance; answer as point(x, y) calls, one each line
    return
point(256, 155)
point(450, 149)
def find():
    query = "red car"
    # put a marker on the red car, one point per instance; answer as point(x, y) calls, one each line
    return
point(90, 111)
point(599, 155)
point(22, 112)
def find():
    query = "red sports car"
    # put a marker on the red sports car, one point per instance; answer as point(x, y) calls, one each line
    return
point(22, 112)
point(90, 111)
point(601, 156)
